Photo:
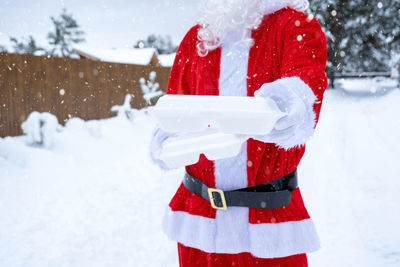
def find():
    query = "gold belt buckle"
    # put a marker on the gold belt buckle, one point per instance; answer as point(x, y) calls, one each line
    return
point(221, 194)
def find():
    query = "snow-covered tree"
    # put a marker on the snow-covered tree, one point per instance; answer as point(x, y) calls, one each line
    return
point(40, 129)
point(150, 88)
point(126, 110)
point(28, 46)
point(361, 33)
point(66, 33)
point(163, 45)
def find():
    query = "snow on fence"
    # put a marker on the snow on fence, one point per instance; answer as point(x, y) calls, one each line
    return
point(67, 88)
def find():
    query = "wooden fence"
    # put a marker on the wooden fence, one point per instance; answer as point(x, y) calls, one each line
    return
point(66, 88)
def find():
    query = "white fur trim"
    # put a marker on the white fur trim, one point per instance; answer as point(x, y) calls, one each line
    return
point(267, 240)
point(231, 173)
point(273, 6)
point(286, 89)
point(306, 128)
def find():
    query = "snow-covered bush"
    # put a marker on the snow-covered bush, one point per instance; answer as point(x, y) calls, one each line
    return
point(77, 125)
point(125, 111)
point(40, 129)
point(74, 124)
point(150, 87)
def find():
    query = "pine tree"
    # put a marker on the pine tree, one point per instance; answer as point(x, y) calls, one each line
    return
point(3, 49)
point(163, 45)
point(66, 33)
point(28, 47)
point(362, 34)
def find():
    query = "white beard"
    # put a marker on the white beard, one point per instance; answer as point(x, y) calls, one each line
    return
point(219, 17)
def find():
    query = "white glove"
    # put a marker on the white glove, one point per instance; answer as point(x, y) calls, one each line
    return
point(296, 99)
point(159, 136)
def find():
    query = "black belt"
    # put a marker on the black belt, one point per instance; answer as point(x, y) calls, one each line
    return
point(270, 195)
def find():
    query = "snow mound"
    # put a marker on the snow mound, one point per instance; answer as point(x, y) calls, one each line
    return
point(12, 151)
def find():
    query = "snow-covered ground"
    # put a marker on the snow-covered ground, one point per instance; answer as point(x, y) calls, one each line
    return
point(350, 181)
point(95, 199)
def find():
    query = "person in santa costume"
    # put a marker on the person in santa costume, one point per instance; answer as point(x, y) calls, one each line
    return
point(260, 48)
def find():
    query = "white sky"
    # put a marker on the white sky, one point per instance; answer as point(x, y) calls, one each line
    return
point(107, 23)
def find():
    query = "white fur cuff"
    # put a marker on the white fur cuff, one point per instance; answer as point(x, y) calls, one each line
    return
point(285, 91)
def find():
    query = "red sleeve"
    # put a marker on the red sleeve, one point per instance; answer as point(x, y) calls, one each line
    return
point(305, 54)
point(178, 83)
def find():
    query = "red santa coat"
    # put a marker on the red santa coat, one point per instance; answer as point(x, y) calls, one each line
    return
point(288, 44)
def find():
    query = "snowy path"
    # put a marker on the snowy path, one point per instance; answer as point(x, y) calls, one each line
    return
point(95, 199)
point(350, 181)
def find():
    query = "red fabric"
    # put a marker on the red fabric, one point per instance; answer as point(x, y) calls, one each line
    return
point(286, 44)
point(191, 257)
